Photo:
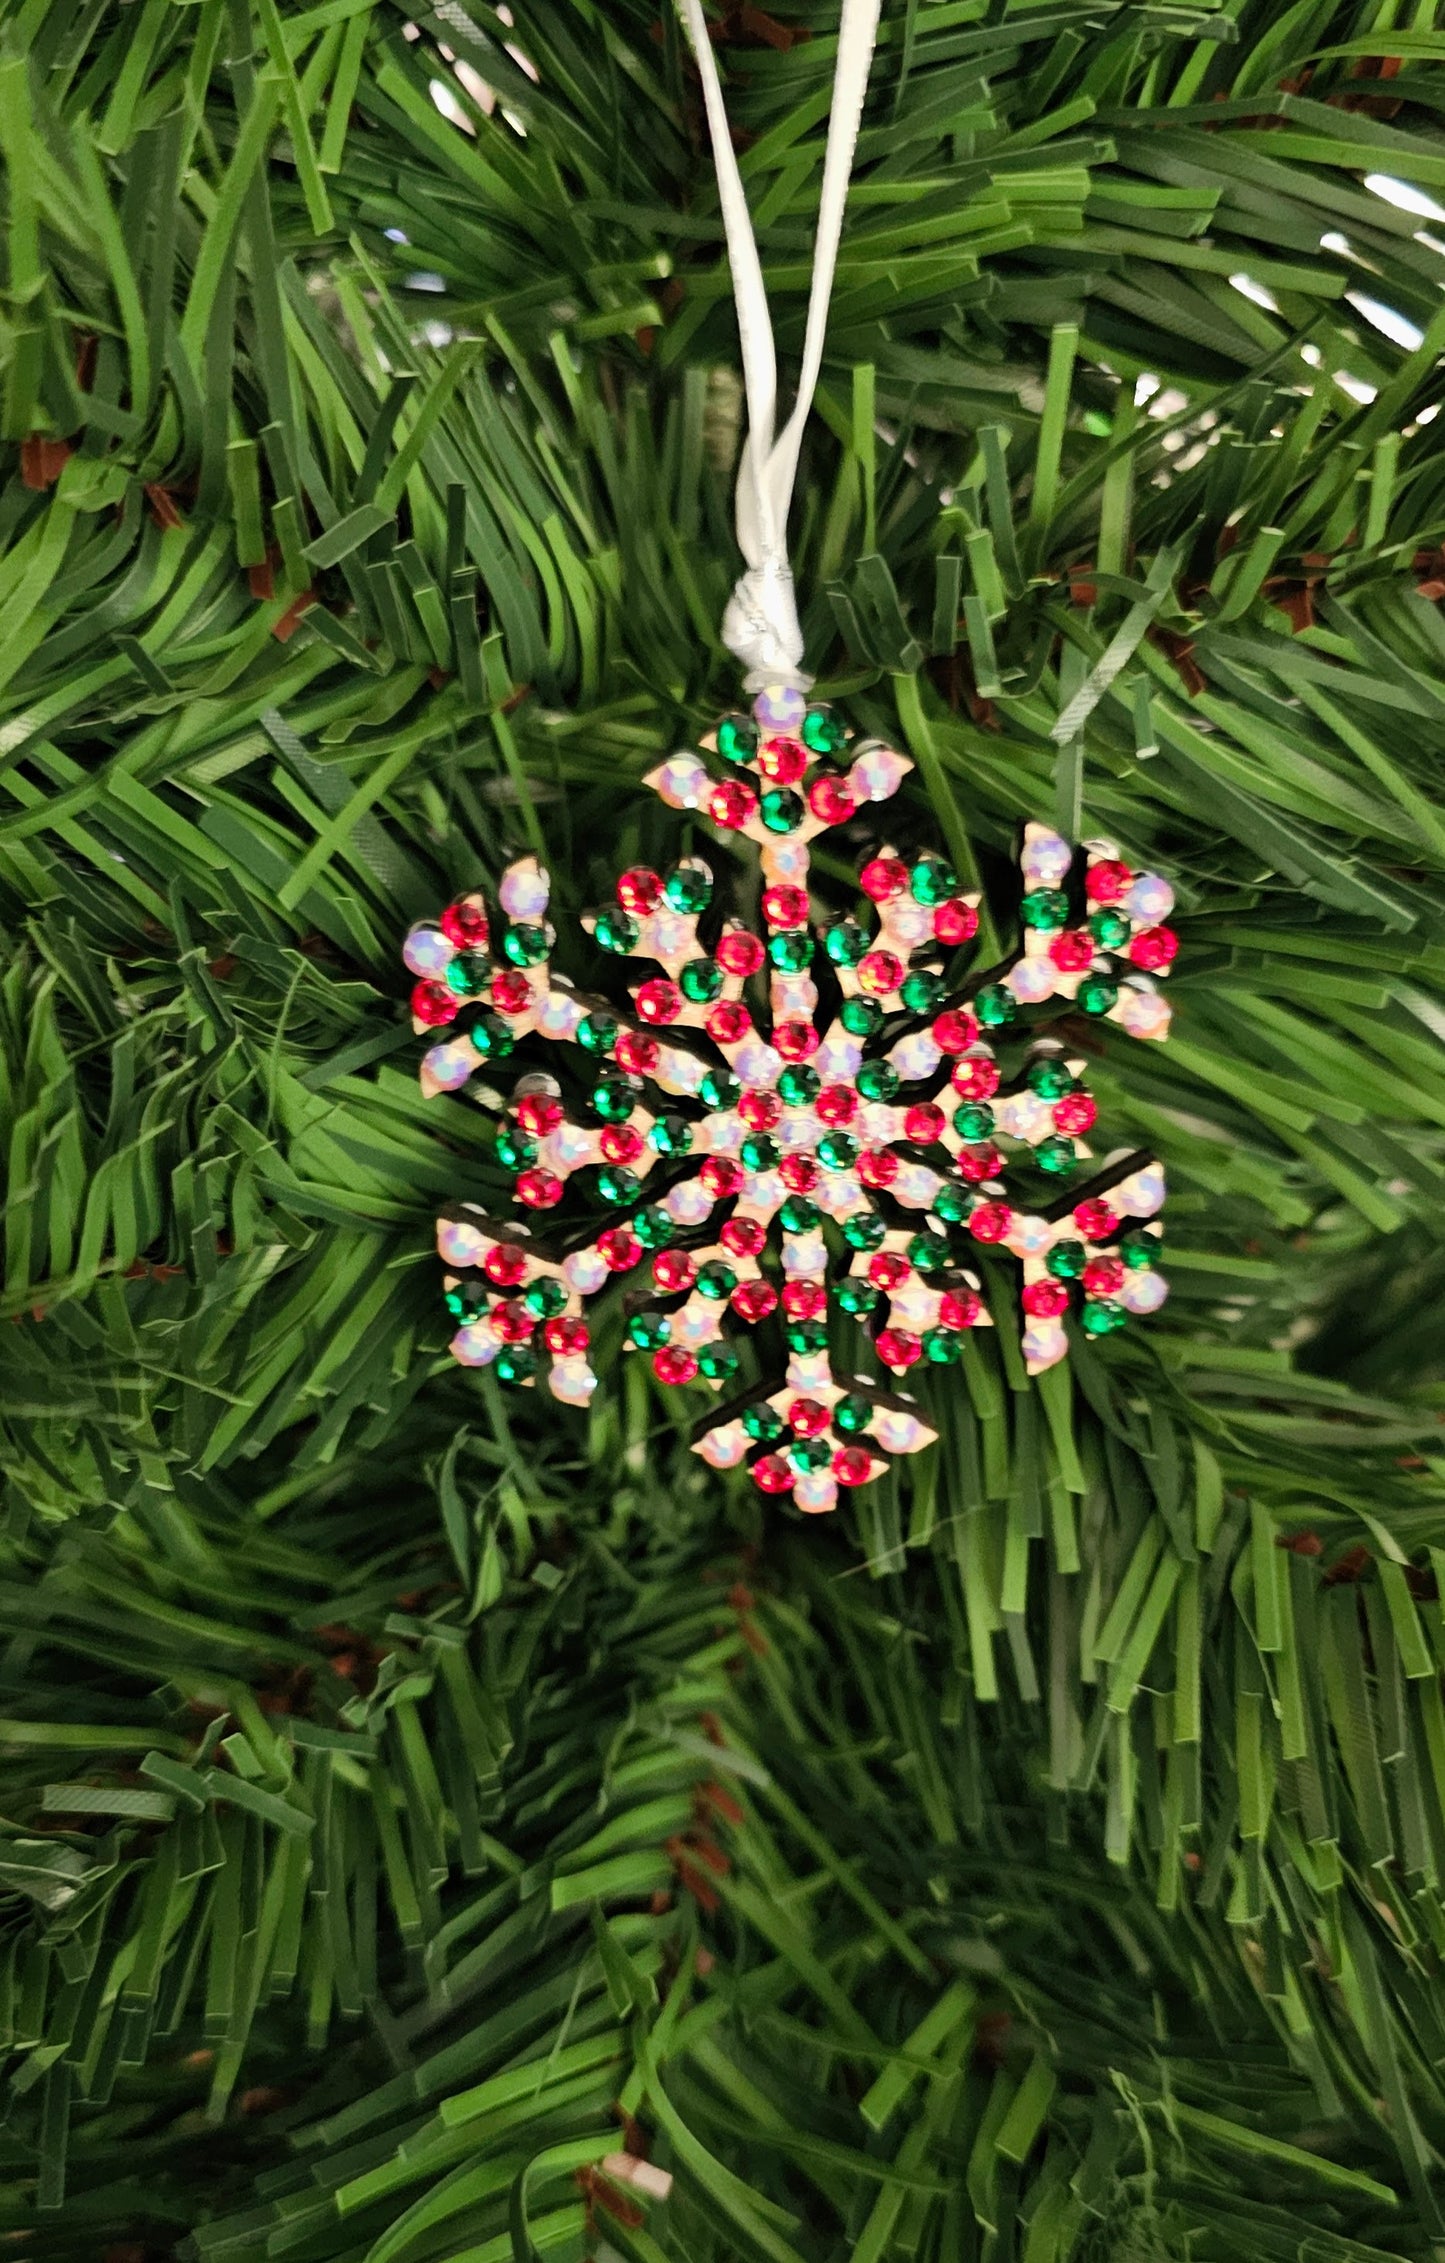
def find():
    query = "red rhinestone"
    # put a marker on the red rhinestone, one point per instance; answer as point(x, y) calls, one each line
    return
point(877, 1166)
point(760, 1110)
point(888, 1269)
point(728, 1022)
point(959, 1308)
point(772, 1474)
point(621, 1143)
point(512, 1321)
point(879, 972)
point(924, 1123)
point(754, 1300)
point(1072, 950)
point(639, 890)
point(976, 1077)
point(1106, 882)
point(1045, 1300)
point(955, 921)
point(1104, 1276)
point(800, 1173)
point(721, 1176)
point(897, 1348)
point(831, 800)
point(955, 1030)
point(433, 1003)
point(732, 804)
point(659, 1000)
point(674, 1364)
point(795, 1040)
point(465, 924)
point(738, 952)
point(539, 1189)
point(783, 761)
point(1154, 947)
point(784, 905)
point(979, 1160)
point(1095, 1221)
point(620, 1249)
point(882, 877)
point(511, 991)
point(836, 1104)
point(636, 1053)
point(851, 1466)
point(806, 1417)
point(745, 1237)
point(505, 1265)
point(804, 1300)
point(566, 1335)
point(990, 1221)
point(1075, 1113)
point(539, 1113)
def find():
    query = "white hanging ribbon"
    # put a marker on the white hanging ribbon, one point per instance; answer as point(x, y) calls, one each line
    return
point(760, 625)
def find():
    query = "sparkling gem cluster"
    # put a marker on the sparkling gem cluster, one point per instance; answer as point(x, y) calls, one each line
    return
point(839, 1161)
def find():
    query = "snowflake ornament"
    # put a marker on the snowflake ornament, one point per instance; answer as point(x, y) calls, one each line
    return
point(837, 1163)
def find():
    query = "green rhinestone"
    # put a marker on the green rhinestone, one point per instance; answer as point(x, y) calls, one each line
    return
point(877, 1080)
point(953, 1202)
point(1109, 928)
point(798, 1215)
point(719, 1089)
point(688, 887)
point(545, 1297)
point(763, 1422)
point(700, 980)
point(716, 1280)
point(845, 942)
point(929, 1252)
point(932, 881)
point(837, 1151)
point(467, 1301)
point(799, 1085)
point(525, 946)
point(649, 1330)
point(491, 1037)
point(1050, 1079)
point(974, 1120)
point(1056, 1155)
point(995, 1005)
point(792, 951)
point(1066, 1260)
point(861, 1017)
point(616, 931)
point(670, 1135)
point(943, 1346)
point(863, 1229)
point(852, 1415)
point(718, 1361)
point(468, 972)
point(759, 1153)
point(1096, 993)
point(921, 991)
point(807, 1336)
point(822, 733)
point(1101, 1318)
point(598, 1033)
point(653, 1227)
point(809, 1453)
point(516, 1363)
point(615, 1098)
point(781, 810)
point(856, 1296)
point(615, 1183)
point(515, 1152)
point(1047, 908)
point(737, 738)
point(1138, 1250)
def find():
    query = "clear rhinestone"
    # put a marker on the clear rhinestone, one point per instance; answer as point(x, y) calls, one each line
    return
point(524, 890)
point(426, 950)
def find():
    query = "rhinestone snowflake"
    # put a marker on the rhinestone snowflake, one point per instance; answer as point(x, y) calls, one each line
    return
point(836, 1166)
